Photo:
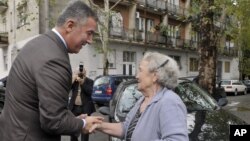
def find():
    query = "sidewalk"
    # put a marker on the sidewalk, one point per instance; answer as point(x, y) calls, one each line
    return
point(98, 136)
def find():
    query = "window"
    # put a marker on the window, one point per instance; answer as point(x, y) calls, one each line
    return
point(194, 36)
point(176, 2)
point(150, 24)
point(140, 22)
point(173, 31)
point(22, 14)
point(193, 64)
point(177, 59)
point(128, 56)
point(229, 44)
point(227, 67)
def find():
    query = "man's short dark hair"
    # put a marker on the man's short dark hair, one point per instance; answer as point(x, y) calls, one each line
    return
point(78, 10)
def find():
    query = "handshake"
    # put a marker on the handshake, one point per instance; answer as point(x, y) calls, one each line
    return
point(91, 123)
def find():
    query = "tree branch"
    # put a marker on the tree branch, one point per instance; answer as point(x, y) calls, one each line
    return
point(95, 6)
point(115, 4)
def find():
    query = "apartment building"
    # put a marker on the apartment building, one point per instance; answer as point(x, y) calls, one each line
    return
point(136, 26)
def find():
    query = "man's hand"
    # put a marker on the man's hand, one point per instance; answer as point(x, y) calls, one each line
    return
point(79, 76)
point(82, 116)
point(95, 126)
point(91, 121)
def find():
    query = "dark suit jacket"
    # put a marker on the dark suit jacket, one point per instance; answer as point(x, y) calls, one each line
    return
point(37, 93)
point(86, 91)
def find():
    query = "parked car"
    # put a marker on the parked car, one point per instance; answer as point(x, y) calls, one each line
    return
point(3, 82)
point(234, 86)
point(105, 86)
point(247, 83)
point(205, 119)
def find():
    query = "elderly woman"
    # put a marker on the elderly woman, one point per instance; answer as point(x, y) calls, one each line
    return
point(159, 114)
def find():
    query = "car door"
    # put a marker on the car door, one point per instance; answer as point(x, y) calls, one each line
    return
point(238, 85)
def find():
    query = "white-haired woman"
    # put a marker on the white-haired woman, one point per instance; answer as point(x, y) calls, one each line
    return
point(159, 114)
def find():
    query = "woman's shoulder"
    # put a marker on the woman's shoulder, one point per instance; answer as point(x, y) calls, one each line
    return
point(170, 95)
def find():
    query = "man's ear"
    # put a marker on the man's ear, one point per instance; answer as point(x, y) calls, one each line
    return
point(69, 25)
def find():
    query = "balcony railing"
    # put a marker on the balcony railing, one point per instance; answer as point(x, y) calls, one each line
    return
point(176, 10)
point(228, 51)
point(3, 28)
point(156, 39)
point(150, 38)
point(3, 5)
point(162, 5)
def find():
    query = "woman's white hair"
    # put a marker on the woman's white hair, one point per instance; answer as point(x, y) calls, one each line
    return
point(165, 67)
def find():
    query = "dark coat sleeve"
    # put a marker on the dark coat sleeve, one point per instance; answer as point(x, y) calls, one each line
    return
point(53, 85)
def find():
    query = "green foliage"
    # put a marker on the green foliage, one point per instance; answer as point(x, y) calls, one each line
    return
point(242, 11)
point(164, 29)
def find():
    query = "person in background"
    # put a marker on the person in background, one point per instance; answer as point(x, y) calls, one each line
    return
point(159, 114)
point(36, 104)
point(81, 101)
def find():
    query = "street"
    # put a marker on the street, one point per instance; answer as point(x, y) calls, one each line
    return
point(239, 106)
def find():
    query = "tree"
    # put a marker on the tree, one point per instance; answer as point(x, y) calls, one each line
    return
point(209, 21)
point(103, 28)
point(242, 12)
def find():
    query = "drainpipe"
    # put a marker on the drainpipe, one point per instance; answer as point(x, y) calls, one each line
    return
point(12, 44)
point(46, 9)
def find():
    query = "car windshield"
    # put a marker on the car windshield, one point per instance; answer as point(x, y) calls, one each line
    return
point(128, 99)
point(101, 81)
point(237, 83)
point(194, 97)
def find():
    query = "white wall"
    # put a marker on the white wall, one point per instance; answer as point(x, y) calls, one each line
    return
point(92, 61)
point(234, 68)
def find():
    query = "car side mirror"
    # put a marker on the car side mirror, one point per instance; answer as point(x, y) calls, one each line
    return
point(104, 110)
point(222, 102)
point(220, 96)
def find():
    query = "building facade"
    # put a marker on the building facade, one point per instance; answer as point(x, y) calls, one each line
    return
point(136, 26)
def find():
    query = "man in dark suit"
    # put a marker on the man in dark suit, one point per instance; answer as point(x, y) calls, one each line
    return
point(40, 79)
point(81, 101)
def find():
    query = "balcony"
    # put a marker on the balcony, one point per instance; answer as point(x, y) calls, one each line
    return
point(3, 33)
point(3, 6)
point(123, 2)
point(151, 39)
point(228, 51)
point(176, 11)
point(154, 6)
point(155, 39)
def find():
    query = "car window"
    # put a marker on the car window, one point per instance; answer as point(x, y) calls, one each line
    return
point(236, 83)
point(225, 83)
point(194, 97)
point(128, 99)
point(101, 81)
